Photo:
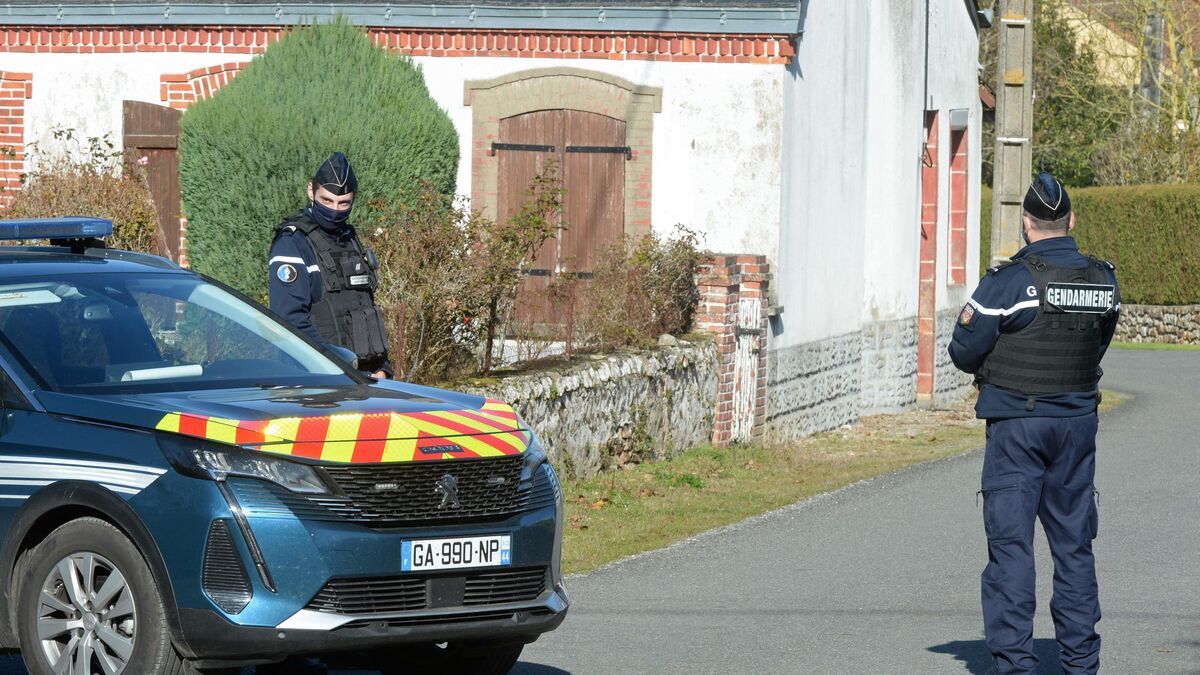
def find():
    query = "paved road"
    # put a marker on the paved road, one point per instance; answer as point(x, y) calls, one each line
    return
point(883, 577)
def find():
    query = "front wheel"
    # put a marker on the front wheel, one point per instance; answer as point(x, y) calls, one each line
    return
point(87, 603)
point(467, 658)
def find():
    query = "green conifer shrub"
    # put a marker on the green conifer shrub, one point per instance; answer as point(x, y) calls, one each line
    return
point(247, 153)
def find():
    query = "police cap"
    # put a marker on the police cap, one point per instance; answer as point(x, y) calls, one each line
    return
point(1047, 199)
point(336, 175)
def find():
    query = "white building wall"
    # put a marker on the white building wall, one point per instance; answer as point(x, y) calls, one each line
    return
point(717, 141)
point(819, 278)
point(900, 94)
point(849, 249)
point(84, 92)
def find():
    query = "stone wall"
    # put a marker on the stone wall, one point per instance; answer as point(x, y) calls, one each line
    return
point(825, 384)
point(813, 387)
point(614, 409)
point(889, 365)
point(1157, 323)
point(950, 384)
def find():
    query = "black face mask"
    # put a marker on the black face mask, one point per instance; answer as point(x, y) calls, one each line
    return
point(328, 218)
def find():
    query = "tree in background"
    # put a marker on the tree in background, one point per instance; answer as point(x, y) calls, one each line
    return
point(1117, 91)
point(1075, 111)
point(247, 153)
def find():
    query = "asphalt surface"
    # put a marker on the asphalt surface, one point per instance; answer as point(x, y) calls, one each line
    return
point(883, 576)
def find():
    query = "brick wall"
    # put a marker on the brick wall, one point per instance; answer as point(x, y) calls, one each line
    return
point(180, 90)
point(927, 284)
point(959, 190)
point(675, 47)
point(15, 89)
point(733, 302)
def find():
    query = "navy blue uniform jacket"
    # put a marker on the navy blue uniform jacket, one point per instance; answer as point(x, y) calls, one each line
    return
point(294, 288)
point(1005, 302)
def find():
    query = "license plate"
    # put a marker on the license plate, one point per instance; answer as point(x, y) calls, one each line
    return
point(449, 554)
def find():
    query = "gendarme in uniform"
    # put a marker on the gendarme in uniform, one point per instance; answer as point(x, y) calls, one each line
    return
point(1033, 334)
point(322, 279)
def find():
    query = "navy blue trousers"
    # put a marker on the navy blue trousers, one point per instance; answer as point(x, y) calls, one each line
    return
point(1043, 468)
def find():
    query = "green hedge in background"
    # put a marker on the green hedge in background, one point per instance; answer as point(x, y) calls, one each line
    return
point(1151, 233)
point(247, 153)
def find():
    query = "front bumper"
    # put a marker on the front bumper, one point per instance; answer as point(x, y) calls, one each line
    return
point(215, 641)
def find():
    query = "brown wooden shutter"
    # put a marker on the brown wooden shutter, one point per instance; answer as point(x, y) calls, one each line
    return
point(152, 131)
point(590, 151)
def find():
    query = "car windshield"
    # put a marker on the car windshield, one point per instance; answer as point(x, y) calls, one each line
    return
point(125, 333)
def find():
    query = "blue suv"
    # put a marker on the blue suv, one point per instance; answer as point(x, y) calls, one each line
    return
point(186, 483)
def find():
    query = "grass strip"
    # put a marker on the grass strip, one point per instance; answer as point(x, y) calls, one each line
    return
point(1156, 346)
point(620, 513)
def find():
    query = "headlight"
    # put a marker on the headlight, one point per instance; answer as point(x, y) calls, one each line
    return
point(536, 462)
point(535, 456)
point(214, 461)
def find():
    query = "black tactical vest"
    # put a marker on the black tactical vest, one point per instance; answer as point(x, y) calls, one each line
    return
point(1060, 351)
point(346, 313)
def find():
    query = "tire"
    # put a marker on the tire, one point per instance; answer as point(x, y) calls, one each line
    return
point(467, 658)
point(114, 617)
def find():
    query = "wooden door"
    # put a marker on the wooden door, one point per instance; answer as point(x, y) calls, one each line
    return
point(594, 180)
point(152, 131)
point(528, 143)
point(589, 150)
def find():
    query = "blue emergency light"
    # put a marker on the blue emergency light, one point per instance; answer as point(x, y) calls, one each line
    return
point(71, 227)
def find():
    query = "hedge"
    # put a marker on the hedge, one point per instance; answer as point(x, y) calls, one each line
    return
point(247, 153)
point(1151, 233)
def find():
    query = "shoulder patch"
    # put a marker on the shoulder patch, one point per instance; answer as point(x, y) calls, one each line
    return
point(966, 315)
point(286, 273)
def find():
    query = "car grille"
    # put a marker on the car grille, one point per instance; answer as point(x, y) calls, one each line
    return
point(389, 595)
point(445, 619)
point(485, 488)
point(494, 588)
point(371, 596)
point(405, 495)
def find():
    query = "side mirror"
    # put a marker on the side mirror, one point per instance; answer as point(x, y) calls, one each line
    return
point(342, 354)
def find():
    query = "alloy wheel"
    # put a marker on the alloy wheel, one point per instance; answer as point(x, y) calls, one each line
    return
point(87, 620)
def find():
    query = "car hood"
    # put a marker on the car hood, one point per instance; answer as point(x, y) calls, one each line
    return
point(380, 423)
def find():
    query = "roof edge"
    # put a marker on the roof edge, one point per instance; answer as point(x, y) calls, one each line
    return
point(724, 20)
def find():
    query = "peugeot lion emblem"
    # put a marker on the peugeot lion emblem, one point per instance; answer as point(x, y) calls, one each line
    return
point(447, 487)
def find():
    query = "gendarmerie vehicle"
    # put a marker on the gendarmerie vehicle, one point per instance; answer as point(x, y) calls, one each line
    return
point(187, 483)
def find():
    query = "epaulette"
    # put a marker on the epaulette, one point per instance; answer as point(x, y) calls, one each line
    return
point(997, 268)
point(1103, 263)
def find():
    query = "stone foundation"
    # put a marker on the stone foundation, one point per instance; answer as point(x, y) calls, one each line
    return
point(822, 385)
point(813, 387)
point(950, 385)
point(889, 365)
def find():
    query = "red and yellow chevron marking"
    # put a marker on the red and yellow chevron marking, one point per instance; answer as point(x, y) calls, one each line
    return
point(492, 431)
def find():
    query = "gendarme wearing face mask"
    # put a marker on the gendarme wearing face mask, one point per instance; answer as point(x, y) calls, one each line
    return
point(322, 279)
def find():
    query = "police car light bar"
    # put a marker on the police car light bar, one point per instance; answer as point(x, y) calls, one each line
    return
point(73, 227)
